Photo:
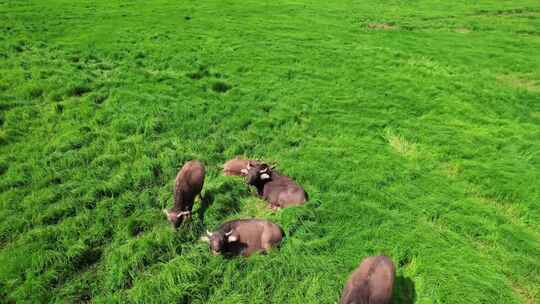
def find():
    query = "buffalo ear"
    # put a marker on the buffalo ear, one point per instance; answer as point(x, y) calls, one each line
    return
point(232, 238)
point(265, 176)
point(244, 171)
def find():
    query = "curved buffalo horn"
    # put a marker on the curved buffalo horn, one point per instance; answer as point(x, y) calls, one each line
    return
point(182, 213)
point(208, 233)
point(228, 233)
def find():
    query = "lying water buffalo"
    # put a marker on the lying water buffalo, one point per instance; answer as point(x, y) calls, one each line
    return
point(243, 237)
point(278, 190)
point(371, 282)
point(238, 166)
point(189, 183)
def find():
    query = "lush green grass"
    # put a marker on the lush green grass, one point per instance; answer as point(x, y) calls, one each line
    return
point(413, 125)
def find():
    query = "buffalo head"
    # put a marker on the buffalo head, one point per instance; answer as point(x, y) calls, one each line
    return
point(217, 240)
point(176, 218)
point(259, 173)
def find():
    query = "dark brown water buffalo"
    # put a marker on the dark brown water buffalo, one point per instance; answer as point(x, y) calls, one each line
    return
point(238, 166)
point(244, 237)
point(278, 190)
point(371, 282)
point(189, 183)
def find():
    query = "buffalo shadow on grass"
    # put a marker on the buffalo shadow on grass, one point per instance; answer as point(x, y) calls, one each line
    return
point(232, 250)
point(226, 198)
point(206, 202)
point(404, 291)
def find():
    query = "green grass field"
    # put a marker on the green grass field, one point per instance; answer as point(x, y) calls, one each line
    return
point(413, 125)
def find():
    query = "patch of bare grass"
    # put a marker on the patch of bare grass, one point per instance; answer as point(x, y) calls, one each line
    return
point(451, 170)
point(400, 144)
point(462, 30)
point(382, 26)
point(520, 82)
point(526, 296)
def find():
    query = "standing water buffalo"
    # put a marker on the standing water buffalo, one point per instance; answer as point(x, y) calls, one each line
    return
point(189, 183)
point(238, 166)
point(278, 190)
point(243, 237)
point(371, 282)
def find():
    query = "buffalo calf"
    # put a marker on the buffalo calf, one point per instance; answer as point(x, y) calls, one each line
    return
point(371, 282)
point(244, 237)
point(278, 190)
point(238, 166)
point(189, 183)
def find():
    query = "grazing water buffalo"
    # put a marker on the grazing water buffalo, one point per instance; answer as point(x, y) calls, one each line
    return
point(278, 190)
point(189, 183)
point(371, 282)
point(243, 237)
point(238, 166)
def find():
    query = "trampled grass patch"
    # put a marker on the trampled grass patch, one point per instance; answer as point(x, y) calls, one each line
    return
point(520, 81)
point(413, 126)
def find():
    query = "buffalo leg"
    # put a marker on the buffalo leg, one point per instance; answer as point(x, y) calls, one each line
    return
point(266, 242)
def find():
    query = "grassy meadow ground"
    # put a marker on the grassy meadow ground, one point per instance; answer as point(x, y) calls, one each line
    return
point(413, 125)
